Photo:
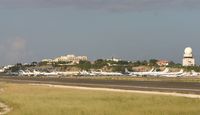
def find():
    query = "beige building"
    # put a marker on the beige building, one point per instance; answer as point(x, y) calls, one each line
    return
point(71, 58)
point(188, 59)
point(162, 63)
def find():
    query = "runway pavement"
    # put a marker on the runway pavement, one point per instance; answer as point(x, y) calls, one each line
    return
point(162, 86)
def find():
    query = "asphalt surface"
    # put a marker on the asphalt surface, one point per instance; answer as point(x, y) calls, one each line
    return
point(162, 86)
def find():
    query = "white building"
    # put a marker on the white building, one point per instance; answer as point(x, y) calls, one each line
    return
point(70, 58)
point(188, 59)
point(114, 59)
point(162, 62)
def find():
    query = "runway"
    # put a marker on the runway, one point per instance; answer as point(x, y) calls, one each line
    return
point(161, 86)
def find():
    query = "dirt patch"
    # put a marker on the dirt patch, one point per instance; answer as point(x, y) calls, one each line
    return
point(1, 90)
point(4, 109)
point(1, 109)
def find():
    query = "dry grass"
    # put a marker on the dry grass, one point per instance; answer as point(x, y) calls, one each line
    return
point(1, 109)
point(41, 100)
point(175, 79)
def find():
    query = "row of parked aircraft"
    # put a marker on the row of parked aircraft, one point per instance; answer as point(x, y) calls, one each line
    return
point(82, 73)
point(38, 73)
point(152, 72)
point(5, 67)
point(101, 73)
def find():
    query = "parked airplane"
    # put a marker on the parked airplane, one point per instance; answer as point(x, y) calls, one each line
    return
point(111, 74)
point(101, 73)
point(49, 73)
point(85, 73)
point(8, 66)
point(164, 73)
point(159, 73)
point(12, 73)
point(36, 73)
point(5, 67)
point(139, 73)
point(2, 70)
point(68, 73)
point(25, 73)
point(174, 74)
point(193, 74)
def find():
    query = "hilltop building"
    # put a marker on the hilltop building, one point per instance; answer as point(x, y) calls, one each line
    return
point(67, 58)
point(71, 58)
point(188, 59)
point(162, 63)
point(114, 59)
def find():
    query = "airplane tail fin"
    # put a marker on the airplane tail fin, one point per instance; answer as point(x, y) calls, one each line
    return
point(181, 71)
point(21, 72)
point(152, 70)
point(193, 71)
point(34, 71)
point(126, 70)
point(166, 70)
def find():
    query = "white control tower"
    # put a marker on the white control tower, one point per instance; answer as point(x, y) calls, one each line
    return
point(188, 59)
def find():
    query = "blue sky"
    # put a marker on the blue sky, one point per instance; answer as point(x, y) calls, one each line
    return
point(31, 30)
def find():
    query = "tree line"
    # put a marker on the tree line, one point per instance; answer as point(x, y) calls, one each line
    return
point(116, 66)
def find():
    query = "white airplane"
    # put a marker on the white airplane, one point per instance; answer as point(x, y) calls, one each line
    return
point(85, 73)
point(5, 67)
point(12, 73)
point(194, 73)
point(164, 73)
point(25, 73)
point(8, 66)
point(68, 73)
point(49, 73)
point(111, 74)
point(174, 74)
point(36, 73)
point(159, 73)
point(96, 73)
point(2, 70)
point(139, 73)
point(101, 73)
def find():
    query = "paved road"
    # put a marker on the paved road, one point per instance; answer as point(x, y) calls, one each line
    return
point(163, 86)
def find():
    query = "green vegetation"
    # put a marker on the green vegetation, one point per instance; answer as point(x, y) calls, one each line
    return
point(85, 65)
point(17, 67)
point(153, 62)
point(42, 100)
point(195, 68)
point(101, 64)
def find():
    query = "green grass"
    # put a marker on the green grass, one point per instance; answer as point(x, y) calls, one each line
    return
point(42, 100)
